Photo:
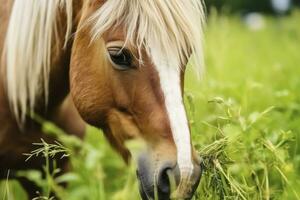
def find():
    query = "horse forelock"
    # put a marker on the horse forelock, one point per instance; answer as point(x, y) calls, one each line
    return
point(174, 27)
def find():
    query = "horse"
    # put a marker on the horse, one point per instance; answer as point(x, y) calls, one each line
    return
point(117, 65)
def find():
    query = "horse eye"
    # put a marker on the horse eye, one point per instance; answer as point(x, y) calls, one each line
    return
point(121, 58)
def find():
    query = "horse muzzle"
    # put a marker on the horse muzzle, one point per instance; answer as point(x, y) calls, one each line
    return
point(161, 184)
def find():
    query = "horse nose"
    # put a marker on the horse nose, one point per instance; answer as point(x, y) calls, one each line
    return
point(163, 181)
point(169, 178)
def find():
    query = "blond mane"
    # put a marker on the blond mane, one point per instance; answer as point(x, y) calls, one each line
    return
point(27, 51)
point(172, 27)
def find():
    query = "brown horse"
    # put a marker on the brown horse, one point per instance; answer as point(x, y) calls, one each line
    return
point(118, 65)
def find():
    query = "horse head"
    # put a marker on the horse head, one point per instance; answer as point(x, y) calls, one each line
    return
point(127, 75)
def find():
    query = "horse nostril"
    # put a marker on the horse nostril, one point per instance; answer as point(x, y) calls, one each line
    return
point(163, 182)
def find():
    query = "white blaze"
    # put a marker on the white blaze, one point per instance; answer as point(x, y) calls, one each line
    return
point(169, 76)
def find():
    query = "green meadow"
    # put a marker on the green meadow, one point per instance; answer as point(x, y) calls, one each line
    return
point(244, 114)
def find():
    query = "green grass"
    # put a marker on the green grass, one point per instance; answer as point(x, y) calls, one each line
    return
point(245, 117)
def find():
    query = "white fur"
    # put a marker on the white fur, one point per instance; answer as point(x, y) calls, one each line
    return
point(170, 84)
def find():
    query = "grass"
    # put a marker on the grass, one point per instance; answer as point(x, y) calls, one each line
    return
point(245, 119)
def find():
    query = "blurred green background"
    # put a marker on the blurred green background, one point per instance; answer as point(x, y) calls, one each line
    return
point(244, 114)
point(243, 6)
